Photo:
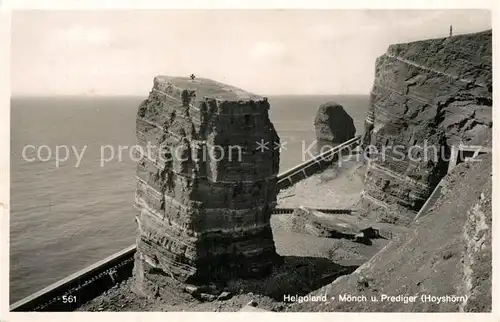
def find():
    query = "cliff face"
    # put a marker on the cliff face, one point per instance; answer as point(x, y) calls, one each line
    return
point(447, 253)
point(204, 194)
point(433, 93)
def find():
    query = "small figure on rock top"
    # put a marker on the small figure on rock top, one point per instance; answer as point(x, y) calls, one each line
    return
point(451, 30)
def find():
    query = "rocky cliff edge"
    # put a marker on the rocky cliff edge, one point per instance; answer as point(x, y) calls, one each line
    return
point(427, 95)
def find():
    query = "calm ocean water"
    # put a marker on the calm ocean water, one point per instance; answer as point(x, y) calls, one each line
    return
point(64, 218)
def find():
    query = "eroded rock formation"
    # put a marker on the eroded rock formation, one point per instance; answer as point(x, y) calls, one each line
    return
point(204, 194)
point(333, 125)
point(434, 93)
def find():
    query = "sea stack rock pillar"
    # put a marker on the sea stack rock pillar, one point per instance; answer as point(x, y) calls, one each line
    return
point(333, 126)
point(205, 190)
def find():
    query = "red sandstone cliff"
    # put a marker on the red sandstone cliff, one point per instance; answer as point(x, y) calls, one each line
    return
point(439, 91)
point(205, 208)
point(436, 92)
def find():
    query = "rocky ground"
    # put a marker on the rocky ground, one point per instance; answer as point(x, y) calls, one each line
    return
point(297, 275)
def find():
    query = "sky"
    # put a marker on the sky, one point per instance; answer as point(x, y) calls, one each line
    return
point(268, 52)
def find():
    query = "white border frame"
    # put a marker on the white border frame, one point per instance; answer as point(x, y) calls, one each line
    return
point(5, 11)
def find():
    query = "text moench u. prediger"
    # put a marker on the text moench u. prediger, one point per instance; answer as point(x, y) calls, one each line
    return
point(405, 299)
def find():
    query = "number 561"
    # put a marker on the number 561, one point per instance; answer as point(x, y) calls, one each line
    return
point(69, 299)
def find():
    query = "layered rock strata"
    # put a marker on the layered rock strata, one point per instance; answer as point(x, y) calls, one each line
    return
point(429, 95)
point(205, 194)
point(333, 125)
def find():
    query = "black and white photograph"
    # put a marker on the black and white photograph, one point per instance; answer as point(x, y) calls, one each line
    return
point(250, 160)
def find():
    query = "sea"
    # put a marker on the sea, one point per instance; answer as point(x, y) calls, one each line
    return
point(73, 184)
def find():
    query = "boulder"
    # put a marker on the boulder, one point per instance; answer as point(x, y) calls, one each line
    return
point(333, 125)
point(318, 224)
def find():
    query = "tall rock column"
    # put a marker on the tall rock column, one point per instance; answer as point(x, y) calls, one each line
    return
point(205, 192)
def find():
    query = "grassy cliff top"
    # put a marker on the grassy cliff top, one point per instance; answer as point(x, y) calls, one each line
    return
point(205, 87)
